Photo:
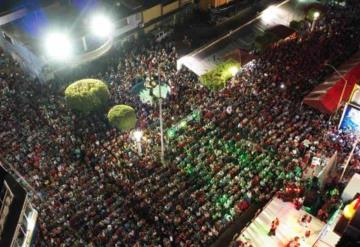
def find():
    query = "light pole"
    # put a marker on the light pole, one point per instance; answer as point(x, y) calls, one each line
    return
point(343, 89)
point(234, 70)
point(137, 135)
point(152, 84)
point(316, 15)
point(160, 116)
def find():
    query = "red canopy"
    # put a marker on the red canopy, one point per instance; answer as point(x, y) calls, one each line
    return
point(326, 96)
point(240, 55)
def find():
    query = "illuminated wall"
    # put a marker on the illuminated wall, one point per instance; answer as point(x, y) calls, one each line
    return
point(170, 7)
point(205, 4)
point(149, 28)
point(152, 13)
point(218, 3)
point(183, 2)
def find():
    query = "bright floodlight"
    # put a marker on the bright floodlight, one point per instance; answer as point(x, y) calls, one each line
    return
point(101, 26)
point(138, 135)
point(58, 46)
point(316, 15)
point(234, 70)
point(269, 14)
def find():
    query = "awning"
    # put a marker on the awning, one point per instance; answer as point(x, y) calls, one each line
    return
point(326, 96)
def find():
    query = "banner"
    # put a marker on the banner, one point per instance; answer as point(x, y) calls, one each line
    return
point(327, 170)
point(350, 120)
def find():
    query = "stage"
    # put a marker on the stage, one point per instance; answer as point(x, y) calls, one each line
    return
point(256, 233)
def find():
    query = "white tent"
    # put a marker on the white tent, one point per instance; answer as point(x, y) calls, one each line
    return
point(351, 188)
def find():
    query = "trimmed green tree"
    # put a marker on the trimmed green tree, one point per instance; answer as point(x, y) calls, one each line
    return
point(310, 15)
point(87, 95)
point(122, 117)
point(217, 78)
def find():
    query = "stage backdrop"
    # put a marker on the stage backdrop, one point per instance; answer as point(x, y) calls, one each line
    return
point(350, 120)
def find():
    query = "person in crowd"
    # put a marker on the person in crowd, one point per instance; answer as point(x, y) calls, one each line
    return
point(92, 188)
point(274, 225)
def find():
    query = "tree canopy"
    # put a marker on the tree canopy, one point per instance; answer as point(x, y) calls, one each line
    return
point(122, 117)
point(87, 95)
point(216, 79)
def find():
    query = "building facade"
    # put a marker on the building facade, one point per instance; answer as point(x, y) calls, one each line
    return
point(144, 18)
point(207, 4)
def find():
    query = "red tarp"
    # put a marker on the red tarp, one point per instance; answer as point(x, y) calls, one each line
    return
point(326, 96)
point(240, 55)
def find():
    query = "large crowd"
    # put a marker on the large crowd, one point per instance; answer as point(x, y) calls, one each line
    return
point(253, 137)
